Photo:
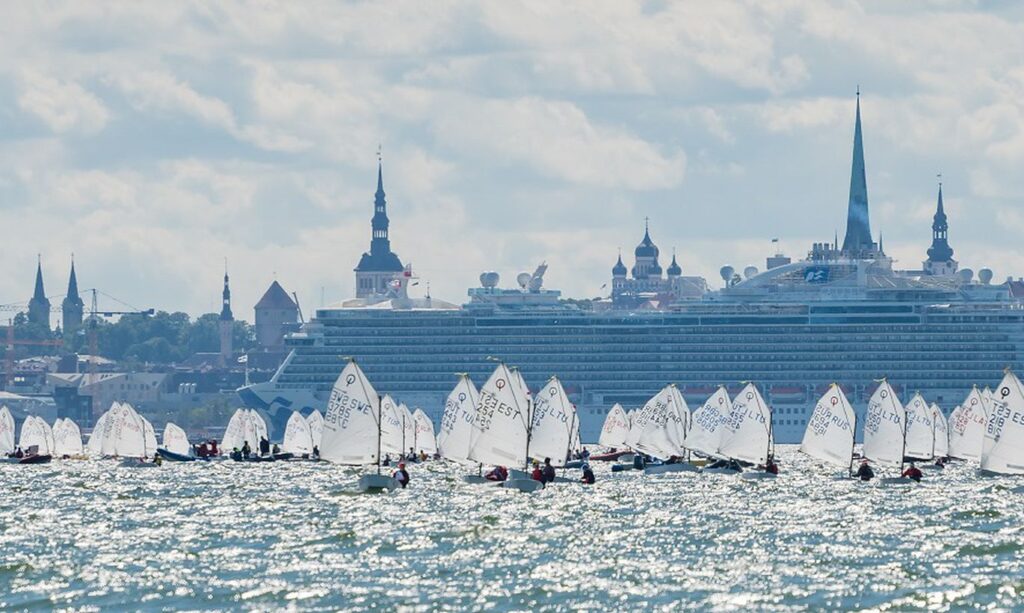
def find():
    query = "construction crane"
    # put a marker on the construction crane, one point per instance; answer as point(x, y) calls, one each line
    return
point(94, 315)
point(10, 344)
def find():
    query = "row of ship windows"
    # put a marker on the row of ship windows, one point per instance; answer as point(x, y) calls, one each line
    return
point(647, 324)
point(577, 346)
point(764, 333)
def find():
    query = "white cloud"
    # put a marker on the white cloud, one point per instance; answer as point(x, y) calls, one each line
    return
point(64, 106)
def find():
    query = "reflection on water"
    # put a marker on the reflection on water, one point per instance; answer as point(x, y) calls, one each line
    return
point(229, 535)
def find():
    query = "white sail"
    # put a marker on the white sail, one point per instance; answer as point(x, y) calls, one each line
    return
point(129, 434)
point(95, 445)
point(554, 419)
point(501, 421)
point(454, 435)
point(409, 425)
point(1004, 433)
point(678, 419)
point(640, 419)
point(747, 433)
point(67, 439)
point(6, 431)
point(392, 427)
point(175, 440)
point(705, 433)
point(260, 427)
point(298, 437)
point(830, 430)
point(940, 433)
point(316, 427)
point(615, 429)
point(36, 432)
point(967, 427)
point(920, 434)
point(150, 437)
point(425, 441)
point(234, 433)
point(659, 432)
point(884, 427)
point(351, 432)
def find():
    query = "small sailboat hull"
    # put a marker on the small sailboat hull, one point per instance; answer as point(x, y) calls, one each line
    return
point(618, 468)
point(758, 475)
point(622, 456)
point(137, 463)
point(377, 483)
point(170, 456)
point(661, 469)
point(523, 485)
point(479, 480)
point(36, 459)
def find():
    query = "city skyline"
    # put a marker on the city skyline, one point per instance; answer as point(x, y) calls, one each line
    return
point(152, 170)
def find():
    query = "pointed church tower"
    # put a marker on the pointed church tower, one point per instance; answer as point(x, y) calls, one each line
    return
point(857, 243)
point(940, 255)
point(73, 307)
point(39, 305)
point(380, 266)
point(226, 325)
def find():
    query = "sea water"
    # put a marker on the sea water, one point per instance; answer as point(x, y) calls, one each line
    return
point(226, 535)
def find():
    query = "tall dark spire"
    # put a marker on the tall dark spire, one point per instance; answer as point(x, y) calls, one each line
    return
point(39, 305)
point(940, 251)
point(858, 226)
point(225, 310)
point(73, 307)
point(380, 222)
point(378, 265)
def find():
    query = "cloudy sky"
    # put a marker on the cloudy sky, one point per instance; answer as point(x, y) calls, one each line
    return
point(155, 139)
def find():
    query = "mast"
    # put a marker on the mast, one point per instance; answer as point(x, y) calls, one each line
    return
point(380, 432)
point(853, 437)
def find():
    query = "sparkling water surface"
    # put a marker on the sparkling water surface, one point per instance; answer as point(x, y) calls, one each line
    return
point(226, 535)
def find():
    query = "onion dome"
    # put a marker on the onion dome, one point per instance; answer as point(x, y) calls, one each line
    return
point(619, 270)
point(646, 248)
point(674, 270)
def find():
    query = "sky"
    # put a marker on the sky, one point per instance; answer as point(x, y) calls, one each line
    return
point(155, 140)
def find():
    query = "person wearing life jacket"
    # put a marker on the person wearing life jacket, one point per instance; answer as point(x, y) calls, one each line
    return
point(213, 448)
point(316, 452)
point(537, 474)
point(264, 446)
point(547, 473)
point(865, 473)
point(498, 473)
point(401, 475)
point(588, 475)
point(913, 472)
point(770, 466)
point(246, 450)
point(275, 449)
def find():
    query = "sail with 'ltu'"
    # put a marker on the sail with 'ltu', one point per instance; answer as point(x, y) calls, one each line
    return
point(920, 429)
point(454, 435)
point(940, 433)
point(748, 433)
point(829, 436)
point(884, 427)
point(554, 424)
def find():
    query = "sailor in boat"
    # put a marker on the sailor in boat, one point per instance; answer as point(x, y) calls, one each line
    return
point(387, 460)
point(537, 474)
point(246, 450)
point(548, 472)
point(940, 462)
point(236, 454)
point(201, 451)
point(264, 446)
point(588, 475)
point(913, 472)
point(18, 453)
point(316, 452)
point(275, 449)
point(498, 473)
point(770, 466)
point(401, 475)
point(213, 451)
point(864, 473)
point(158, 459)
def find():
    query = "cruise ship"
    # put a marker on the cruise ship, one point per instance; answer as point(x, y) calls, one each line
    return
point(841, 314)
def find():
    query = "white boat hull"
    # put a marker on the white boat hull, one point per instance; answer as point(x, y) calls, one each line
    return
point(524, 485)
point(720, 471)
point(377, 483)
point(897, 481)
point(660, 469)
point(478, 480)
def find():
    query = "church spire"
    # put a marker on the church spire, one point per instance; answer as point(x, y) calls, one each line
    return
point(73, 307)
point(39, 305)
point(940, 251)
point(225, 310)
point(858, 225)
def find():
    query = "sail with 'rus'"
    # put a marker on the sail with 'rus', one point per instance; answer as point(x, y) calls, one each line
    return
point(967, 427)
point(424, 441)
point(829, 436)
point(1004, 433)
point(705, 433)
point(454, 435)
